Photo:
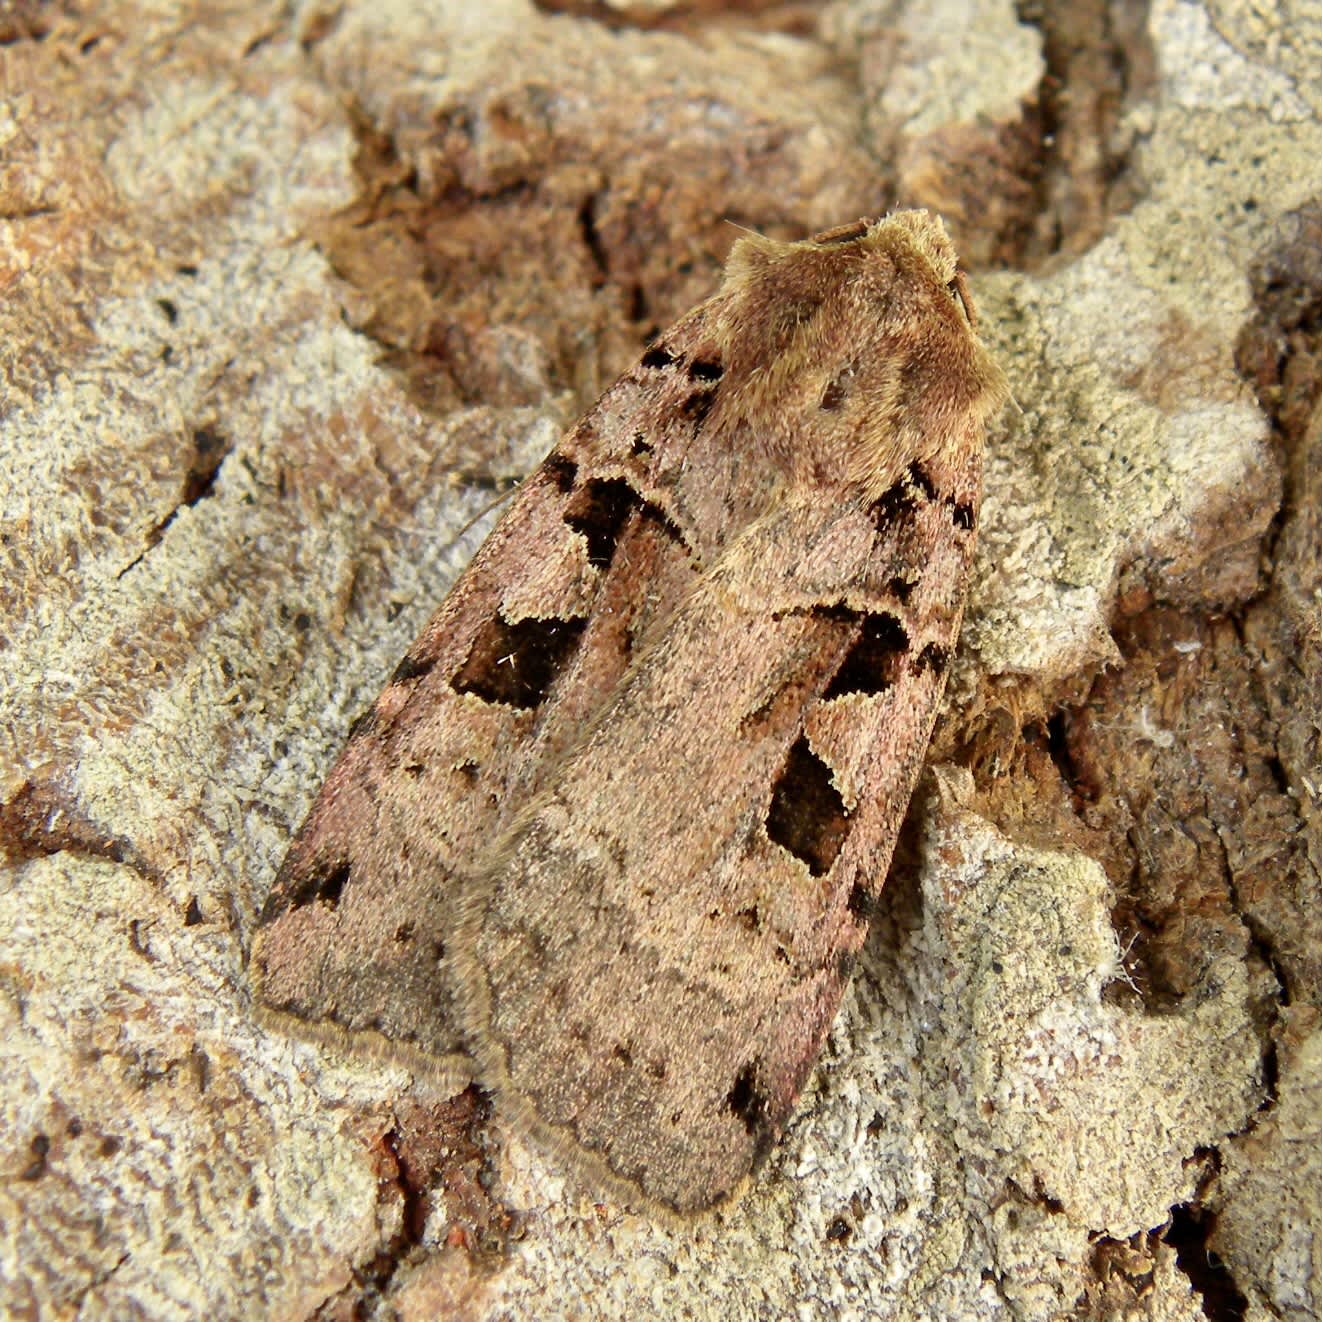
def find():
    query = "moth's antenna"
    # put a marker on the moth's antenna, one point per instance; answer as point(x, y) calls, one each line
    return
point(415, 529)
point(734, 224)
point(486, 509)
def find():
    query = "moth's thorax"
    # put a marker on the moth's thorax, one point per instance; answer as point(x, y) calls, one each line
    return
point(852, 355)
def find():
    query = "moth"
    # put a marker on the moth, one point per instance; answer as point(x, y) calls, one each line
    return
point(609, 838)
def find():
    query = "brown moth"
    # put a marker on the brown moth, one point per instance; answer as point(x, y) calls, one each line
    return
point(609, 838)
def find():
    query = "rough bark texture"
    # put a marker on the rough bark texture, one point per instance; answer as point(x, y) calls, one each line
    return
point(291, 291)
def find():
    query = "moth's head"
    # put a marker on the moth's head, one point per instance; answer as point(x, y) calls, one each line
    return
point(855, 352)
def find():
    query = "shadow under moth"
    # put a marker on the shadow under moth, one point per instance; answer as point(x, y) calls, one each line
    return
point(609, 838)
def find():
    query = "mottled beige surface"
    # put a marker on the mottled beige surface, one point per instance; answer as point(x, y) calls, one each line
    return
point(287, 298)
